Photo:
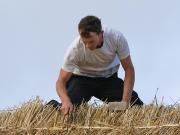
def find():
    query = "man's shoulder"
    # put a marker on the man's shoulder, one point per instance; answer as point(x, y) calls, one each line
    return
point(111, 32)
point(74, 49)
point(112, 35)
point(76, 44)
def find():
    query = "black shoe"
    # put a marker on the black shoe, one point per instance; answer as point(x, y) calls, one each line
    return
point(54, 103)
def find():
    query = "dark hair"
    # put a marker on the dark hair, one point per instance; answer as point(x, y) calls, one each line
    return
point(89, 24)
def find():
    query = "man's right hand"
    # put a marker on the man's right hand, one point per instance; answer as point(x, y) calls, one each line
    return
point(64, 76)
point(66, 107)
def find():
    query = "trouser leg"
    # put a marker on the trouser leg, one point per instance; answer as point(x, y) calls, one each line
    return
point(111, 90)
point(79, 90)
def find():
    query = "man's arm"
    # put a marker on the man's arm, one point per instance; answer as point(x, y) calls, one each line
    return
point(129, 79)
point(64, 76)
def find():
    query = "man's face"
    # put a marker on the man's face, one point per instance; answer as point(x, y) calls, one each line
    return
point(92, 41)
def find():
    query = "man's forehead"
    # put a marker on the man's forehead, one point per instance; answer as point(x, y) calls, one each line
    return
point(90, 34)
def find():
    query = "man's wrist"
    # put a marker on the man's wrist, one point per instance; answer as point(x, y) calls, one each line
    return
point(126, 97)
point(65, 98)
point(125, 100)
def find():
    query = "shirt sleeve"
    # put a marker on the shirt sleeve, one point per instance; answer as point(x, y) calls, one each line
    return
point(122, 47)
point(70, 59)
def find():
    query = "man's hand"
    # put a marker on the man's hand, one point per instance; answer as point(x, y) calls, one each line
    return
point(66, 107)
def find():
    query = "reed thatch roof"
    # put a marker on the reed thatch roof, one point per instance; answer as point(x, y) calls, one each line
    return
point(36, 119)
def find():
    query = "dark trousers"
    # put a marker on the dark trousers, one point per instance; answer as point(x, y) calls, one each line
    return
point(81, 89)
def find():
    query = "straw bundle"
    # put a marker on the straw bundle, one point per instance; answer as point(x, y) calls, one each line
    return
point(33, 118)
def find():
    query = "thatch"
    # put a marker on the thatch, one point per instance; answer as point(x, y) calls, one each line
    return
point(36, 119)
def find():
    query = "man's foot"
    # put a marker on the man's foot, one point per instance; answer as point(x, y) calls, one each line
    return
point(54, 103)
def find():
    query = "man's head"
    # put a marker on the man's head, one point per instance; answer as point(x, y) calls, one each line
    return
point(90, 31)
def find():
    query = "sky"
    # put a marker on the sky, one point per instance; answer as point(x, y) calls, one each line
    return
point(35, 34)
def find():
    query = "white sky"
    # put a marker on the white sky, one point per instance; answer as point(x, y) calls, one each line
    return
point(34, 36)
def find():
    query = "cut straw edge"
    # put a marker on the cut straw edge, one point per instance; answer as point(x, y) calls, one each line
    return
point(89, 127)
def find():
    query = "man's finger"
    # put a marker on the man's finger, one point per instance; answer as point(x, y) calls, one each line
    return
point(71, 109)
point(66, 111)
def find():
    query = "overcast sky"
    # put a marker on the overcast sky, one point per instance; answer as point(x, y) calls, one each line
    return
point(35, 34)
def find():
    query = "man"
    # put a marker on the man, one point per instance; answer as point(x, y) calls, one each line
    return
point(91, 65)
